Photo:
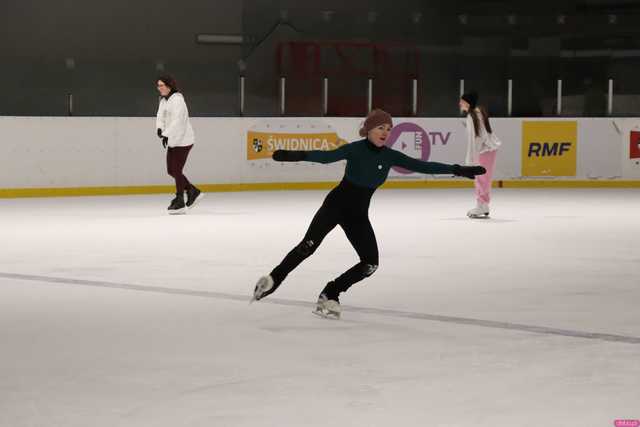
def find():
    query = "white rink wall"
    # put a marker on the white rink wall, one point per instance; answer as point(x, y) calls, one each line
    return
point(68, 152)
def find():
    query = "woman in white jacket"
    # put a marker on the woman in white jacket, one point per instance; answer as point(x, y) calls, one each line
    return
point(175, 131)
point(482, 146)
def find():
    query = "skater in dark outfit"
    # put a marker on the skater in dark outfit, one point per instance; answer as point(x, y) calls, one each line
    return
point(347, 205)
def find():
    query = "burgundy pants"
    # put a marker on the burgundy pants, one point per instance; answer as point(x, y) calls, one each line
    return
point(176, 159)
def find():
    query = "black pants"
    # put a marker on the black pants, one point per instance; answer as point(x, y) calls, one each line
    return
point(346, 205)
point(176, 159)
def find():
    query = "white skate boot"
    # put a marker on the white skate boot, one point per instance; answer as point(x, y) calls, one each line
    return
point(480, 211)
point(265, 283)
point(327, 308)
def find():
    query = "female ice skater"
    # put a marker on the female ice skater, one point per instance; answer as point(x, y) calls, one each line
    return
point(175, 131)
point(482, 146)
point(347, 205)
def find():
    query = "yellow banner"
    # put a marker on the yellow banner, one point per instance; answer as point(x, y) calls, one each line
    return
point(549, 148)
point(261, 145)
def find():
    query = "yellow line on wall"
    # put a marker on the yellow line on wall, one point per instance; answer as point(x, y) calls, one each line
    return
point(432, 184)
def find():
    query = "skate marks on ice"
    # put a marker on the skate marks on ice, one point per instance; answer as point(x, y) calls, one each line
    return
point(489, 219)
point(212, 212)
point(492, 219)
point(354, 309)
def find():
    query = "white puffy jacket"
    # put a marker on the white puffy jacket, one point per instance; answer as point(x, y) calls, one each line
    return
point(173, 120)
point(481, 143)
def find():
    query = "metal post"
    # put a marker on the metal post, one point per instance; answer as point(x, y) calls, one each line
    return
point(559, 101)
point(283, 83)
point(414, 97)
point(461, 93)
point(70, 104)
point(325, 96)
point(370, 96)
point(509, 97)
point(241, 95)
point(610, 99)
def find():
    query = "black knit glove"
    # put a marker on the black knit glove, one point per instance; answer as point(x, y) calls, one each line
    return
point(289, 156)
point(159, 133)
point(165, 141)
point(468, 171)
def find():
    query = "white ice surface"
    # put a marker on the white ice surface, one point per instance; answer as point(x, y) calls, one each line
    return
point(83, 355)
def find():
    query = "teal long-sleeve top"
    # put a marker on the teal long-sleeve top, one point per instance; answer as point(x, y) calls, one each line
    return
point(369, 165)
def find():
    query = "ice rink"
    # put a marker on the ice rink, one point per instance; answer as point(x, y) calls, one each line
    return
point(113, 313)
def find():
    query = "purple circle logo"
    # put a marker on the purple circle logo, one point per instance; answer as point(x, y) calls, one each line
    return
point(409, 136)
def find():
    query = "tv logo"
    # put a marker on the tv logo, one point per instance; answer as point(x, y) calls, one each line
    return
point(547, 149)
point(411, 139)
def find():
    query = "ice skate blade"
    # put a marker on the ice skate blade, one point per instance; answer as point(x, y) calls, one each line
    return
point(261, 287)
point(178, 211)
point(254, 297)
point(329, 316)
point(483, 216)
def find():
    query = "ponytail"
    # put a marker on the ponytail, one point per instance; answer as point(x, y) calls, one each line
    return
point(476, 122)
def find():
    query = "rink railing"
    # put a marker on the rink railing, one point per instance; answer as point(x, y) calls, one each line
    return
point(414, 101)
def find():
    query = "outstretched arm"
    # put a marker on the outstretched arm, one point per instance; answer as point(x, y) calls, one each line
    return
point(435, 168)
point(315, 156)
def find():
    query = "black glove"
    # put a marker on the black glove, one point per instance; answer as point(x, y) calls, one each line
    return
point(289, 156)
point(160, 133)
point(468, 171)
point(165, 141)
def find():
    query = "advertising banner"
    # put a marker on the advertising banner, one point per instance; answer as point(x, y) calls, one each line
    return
point(549, 148)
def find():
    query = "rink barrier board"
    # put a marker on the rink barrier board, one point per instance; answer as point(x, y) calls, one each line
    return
point(107, 155)
point(292, 186)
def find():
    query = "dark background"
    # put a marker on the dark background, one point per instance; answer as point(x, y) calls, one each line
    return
point(108, 54)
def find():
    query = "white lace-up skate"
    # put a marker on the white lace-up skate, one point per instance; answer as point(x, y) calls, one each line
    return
point(265, 283)
point(327, 308)
point(480, 211)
